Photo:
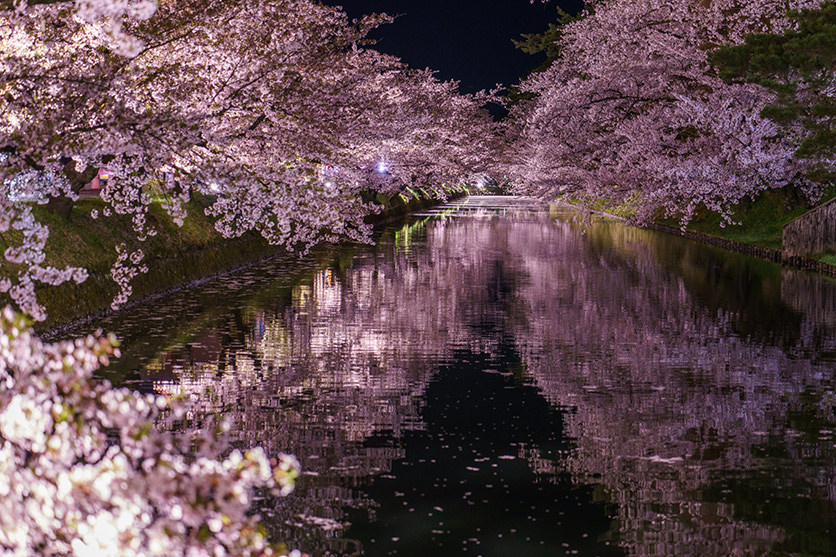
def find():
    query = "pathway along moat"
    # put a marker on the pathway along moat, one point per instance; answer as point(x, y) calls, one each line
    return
point(489, 379)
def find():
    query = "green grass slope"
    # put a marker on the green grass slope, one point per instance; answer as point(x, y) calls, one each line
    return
point(757, 222)
point(175, 256)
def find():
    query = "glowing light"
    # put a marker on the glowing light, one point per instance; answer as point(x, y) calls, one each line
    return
point(214, 186)
point(382, 167)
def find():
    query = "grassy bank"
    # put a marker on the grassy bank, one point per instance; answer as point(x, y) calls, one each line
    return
point(397, 206)
point(174, 256)
point(757, 222)
point(756, 228)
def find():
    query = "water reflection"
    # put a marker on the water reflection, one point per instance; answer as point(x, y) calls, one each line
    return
point(710, 440)
point(493, 379)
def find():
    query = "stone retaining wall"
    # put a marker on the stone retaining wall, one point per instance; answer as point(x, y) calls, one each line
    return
point(812, 233)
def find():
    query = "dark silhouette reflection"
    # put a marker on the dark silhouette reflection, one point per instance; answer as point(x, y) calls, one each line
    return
point(485, 475)
point(520, 371)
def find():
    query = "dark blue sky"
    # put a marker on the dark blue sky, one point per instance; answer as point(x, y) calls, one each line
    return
point(465, 40)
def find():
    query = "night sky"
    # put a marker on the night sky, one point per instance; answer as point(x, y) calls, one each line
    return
point(465, 40)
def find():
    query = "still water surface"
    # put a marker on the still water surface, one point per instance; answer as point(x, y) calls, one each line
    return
point(492, 379)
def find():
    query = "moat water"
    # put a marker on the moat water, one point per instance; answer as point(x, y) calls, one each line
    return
point(494, 379)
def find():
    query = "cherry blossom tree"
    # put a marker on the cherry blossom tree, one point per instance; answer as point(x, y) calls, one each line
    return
point(281, 113)
point(633, 112)
point(798, 66)
point(69, 487)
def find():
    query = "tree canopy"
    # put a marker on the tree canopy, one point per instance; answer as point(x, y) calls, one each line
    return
point(632, 111)
point(547, 42)
point(797, 65)
point(279, 109)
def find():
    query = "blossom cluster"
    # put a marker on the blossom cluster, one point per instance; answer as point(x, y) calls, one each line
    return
point(632, 111)
point(27, 260)
point(284, 116)
point(84, 471)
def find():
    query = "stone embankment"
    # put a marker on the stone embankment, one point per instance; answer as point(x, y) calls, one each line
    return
point(813, 232)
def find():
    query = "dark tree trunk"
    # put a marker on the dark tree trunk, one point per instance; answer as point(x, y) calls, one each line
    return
point(63, 205)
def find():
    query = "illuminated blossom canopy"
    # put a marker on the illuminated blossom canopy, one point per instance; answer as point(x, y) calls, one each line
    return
point(67, 487)
point(281, 113)
point(632, 111)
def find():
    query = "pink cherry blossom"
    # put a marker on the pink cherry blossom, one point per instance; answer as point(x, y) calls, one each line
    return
point(282, 115)
point(67, 484)
point(633, 112)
